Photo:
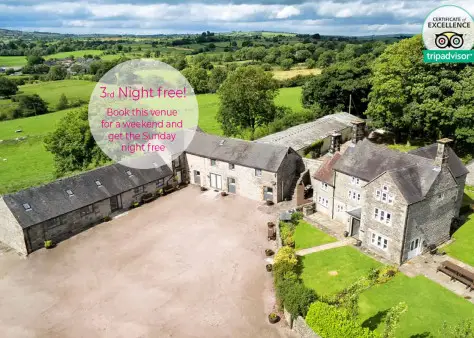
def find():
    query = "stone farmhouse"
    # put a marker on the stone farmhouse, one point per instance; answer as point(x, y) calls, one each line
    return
point(397, 204)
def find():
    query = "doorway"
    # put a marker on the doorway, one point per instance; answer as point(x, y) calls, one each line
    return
point(355, 227)
point(197, 177)
point(414, 248)
point(115, 203)
point(231, 185)
point(216, 181)
point(268, 193)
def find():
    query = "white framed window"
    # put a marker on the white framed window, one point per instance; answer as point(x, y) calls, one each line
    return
point(323, 201)
point(69, 193)
point(258, 172)
point(231, 166)
point(382, 216)
point(385, 188)
point(384, 197)
point(354, 195)
point(355, 180)
point(26, 206)
point(213, 163)
point(379, 241)
point(377, 194)
point(129, 173)
point(340, 208)
point(324, 186)
point(98, 184)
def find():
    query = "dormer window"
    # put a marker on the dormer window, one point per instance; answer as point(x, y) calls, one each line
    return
point(98, 183)
point(26, 206)
point(129, 173)
point(70, 193)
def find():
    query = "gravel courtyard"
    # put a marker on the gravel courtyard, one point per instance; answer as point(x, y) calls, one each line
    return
point(190, 264)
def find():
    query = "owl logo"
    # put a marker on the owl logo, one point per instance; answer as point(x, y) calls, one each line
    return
point(449, 39)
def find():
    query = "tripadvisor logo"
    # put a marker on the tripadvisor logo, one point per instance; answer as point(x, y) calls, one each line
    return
point(448, 35)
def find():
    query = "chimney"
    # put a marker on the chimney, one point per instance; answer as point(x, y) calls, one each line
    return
point(358, 131)
point(441, 158)
point(335, 142)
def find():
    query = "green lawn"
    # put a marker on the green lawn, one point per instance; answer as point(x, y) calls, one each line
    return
point(51, 91)
point(27, 164)
point(429, 304)
point(330, 271)
point(307, 236)
point(76, 54)
point(462, 247)
point(12, 61)
point(290, 97)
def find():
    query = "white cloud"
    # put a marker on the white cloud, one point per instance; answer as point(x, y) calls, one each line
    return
point(287, 12)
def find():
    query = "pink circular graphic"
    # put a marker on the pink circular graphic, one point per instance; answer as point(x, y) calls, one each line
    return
point(143, 113)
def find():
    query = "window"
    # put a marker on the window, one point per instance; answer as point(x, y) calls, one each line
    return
point(379, 241)
point(377, 194)
point(87, 210)
point(129, 173)
point(340, 208)
point(98, 183)
point(384, 195)
point(390, 199)
point(139, 190)
point(382, 216)
point(323, 201)
point(70, 193)
point(354, 195)
point(213, 162)
point(26, 206)
point(385, 188)
point(231, 166)
point(324, 186)
point(355, 180)
point(258, 172)
point(160, 182)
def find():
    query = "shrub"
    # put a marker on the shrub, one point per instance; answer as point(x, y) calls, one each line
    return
point(48, 244)
point(298, 299)
point(296, 217)
point(285, 261)
point(107, 219)
point(290, 241)
point(329, 321)
point(386, 273)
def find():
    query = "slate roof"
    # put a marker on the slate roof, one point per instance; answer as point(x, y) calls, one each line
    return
point(248, 154)
point(303, 135)
point(455, 164)
point(414, 172)
point(326, 173)
point(52, 200)
point(357, 213)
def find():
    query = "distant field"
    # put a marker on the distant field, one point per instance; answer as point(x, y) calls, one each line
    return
point(51, 91)
point(288, 74)
point(12, 61)
point(76, 54)
point(36, 164)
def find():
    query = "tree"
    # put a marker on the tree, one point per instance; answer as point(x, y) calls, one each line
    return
point(392, 319)
point(62, 103)
point(72, 144)
point(57, 73)
point(412, 98)
point(286, 64)
point(331, 90)
point(30, 105)
point(34, 60)
point(197, 78)
point(147, 54)
point(246, 100)
point(217, 77)
point(7, 87)
point(326, 58)
point(302, 54)
point(157, 53)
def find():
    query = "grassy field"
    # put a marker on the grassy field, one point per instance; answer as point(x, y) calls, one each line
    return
point(329, 271)
point(12, 61)
point(12, 179)
point(288, 74)
point(429, 305)
point(76, 54)
point(307, 236)
point(51, 91)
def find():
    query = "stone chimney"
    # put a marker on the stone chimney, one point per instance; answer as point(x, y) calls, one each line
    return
point(358, 131)
point(442, 154)
point(335, 145)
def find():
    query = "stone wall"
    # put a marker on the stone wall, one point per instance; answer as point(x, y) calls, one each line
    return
point(393, 232)
point(430, 220)
point(289, 171)
point(299, 326)
point(461, 181)
point(324, 192)
point(11, 232)
point(246, 182)
point(343, 183)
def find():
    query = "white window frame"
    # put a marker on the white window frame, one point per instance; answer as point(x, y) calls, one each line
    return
point(231, 166)
point(27, 206)
point(354, 195)
point(324, 186)
point(323, 201)
point(378, 195)
point(379, 241)
point(382, 216)
point(213, 162)
point(258, 172)
point(355, 180)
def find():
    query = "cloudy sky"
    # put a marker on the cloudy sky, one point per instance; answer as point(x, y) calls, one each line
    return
point(329, 17)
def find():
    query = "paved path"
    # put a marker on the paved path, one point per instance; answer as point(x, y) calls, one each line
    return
point(323, 247)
